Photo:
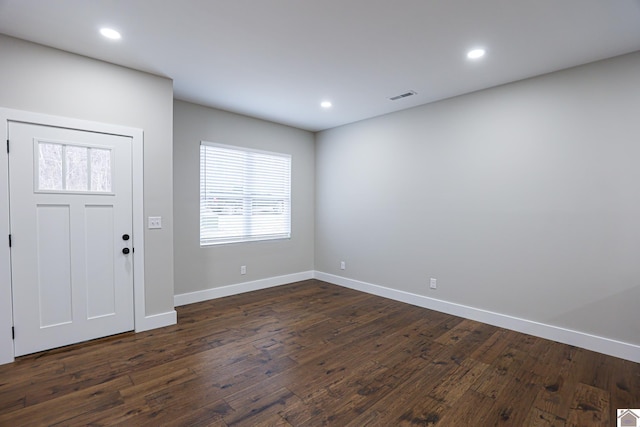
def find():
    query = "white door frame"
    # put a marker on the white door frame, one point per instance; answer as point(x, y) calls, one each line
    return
point(6, 310)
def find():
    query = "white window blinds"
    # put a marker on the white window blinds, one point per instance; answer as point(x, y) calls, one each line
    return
point(245, 195)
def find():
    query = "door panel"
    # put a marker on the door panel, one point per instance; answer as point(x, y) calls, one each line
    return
point(70, 204)
point(100, 261)
point(54, 268)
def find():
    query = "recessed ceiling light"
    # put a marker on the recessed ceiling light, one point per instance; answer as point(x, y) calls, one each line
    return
point(326, 104)
point(110, 33)
point(476, 53)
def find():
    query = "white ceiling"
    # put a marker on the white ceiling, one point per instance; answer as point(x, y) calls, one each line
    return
point(277, 59)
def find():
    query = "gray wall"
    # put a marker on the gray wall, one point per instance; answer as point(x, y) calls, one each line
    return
point(44, 80)
point(523, 199)
point(210, 267)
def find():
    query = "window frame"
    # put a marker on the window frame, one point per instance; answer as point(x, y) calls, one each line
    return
point(217, 206)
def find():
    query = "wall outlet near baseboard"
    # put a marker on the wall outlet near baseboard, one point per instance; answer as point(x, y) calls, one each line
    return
point(343, 265)
point(243, 269)
point(433, 284)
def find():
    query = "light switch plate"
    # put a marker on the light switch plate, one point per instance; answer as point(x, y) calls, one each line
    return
point(155, 222)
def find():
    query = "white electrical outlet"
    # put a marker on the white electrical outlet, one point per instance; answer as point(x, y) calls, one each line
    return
point(433, 284)
point(343, 265)
point(155, 222)
point(243, 269)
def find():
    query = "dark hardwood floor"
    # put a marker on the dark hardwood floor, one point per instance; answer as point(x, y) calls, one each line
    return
point(311, 354)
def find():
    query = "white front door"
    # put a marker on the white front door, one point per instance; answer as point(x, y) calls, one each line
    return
point(71, 225)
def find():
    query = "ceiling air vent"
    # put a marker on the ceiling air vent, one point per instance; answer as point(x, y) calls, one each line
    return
point(403, 95)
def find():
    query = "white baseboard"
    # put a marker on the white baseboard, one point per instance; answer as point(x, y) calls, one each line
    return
point(555, 333)
point(225, 291)
point(579, 339)
point(157, 321)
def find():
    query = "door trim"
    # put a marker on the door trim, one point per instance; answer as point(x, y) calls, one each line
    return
point(137, 136)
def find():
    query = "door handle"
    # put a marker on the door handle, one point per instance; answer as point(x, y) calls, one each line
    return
point(125, 251)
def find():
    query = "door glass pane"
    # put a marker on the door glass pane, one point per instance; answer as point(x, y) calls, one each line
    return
point(76, 165)
point(63, 167)
point(49, 166)
point(100, 170)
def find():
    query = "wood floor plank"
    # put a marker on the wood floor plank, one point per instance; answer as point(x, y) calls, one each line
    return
point(353, 394)
point(210, 415)
point(492, 347)
point(513, 404)
point(258, 403)
point(474, 410)
point(590, 407)
point(559, 385)
point(454, 385)
point(539, 418)
point(133, 401)
point(310, 354)
point(421, 411)
point(90, 400)
point(624, 385)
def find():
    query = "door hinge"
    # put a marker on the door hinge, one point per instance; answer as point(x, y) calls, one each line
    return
point(9, 240)
point(7, 146)
point(13, 333)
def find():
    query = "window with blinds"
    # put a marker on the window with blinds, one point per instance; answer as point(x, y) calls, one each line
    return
point(245, 195)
